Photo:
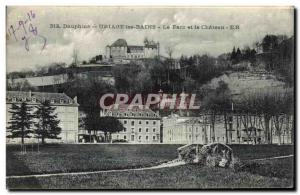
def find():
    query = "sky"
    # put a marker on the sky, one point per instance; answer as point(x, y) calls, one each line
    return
point(47, 45)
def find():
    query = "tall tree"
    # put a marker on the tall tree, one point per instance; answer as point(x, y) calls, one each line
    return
point(238, 55)
point(219, 102)
point(47, 124)
point(233, 55)
point(21, 121)
point(109, 125)
point(269, 43)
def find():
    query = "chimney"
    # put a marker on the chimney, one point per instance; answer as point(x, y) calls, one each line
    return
point(157, 112)
point(75, 99)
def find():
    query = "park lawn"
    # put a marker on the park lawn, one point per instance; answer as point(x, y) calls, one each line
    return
point(61, 158)
point(276, 173)
point(182, 177)
point(94, 157)
point(247, 152)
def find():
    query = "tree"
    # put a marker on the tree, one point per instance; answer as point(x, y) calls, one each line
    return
point(261, 108)
point(169, 51)
point(269, 43)
point(238, 55)
point(110, 125)
point(233, 55)
point(75, 57)
point(218, 102)
point(47, 124)
point(21, 121)
point(91, 122)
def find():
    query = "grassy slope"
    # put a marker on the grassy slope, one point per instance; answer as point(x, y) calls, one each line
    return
point(246, 82)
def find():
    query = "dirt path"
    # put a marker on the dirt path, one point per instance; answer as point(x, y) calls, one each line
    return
point(270, 158)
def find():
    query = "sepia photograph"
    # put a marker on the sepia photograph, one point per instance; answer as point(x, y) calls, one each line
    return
point(150, 98)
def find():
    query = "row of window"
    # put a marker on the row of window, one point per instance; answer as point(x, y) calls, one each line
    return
point(33, 99)
point(140, 130)
point(131, 114)
point(135, 56)
point(139, 138)
point(140, 122)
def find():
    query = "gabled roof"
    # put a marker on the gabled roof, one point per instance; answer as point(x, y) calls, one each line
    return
point(151, 46)
point(28, 96)
point(191, 120)
point(134, 47)
point(123, 110)
point(119, 43)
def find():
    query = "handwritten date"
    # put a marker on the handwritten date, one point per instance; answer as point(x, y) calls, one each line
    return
point(26, 31)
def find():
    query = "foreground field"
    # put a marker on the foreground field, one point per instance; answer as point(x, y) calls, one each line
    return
point(90, 157)
point(74, 158)
point(182, 177)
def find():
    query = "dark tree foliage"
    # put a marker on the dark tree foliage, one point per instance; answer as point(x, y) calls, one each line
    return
point(132, 79)
point(88, 92)
point(108, 125)
point(47, 125)
point(233, 54)
point(270, 43)
point(21, 121)
point(279, 56)
point(238, 55)
point(245, 54)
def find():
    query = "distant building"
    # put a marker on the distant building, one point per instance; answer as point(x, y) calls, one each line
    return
point(121, 50)
point(186, 130)
point(140, 125)
point(58, 79)
point(66, 109)
point(178, 129)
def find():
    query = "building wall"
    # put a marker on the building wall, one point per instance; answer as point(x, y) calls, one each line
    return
point(118, 52)
point(107, 51)
point(150, 52)
point(139, 130)
point(177, 132)
point(135, 54)
point(68, 116)
point(121, 52)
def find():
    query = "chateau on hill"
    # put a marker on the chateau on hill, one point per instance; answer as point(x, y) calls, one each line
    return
point(121, 50)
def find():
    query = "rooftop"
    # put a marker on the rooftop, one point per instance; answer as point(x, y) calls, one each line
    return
point(119, 43)
point(123, 110)
point(36, 97)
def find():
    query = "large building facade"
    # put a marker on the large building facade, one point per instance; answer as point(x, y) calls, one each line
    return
point(66, 109)
point(140, 125)
point(200, 130)
point(186, 130)
point(121, 50)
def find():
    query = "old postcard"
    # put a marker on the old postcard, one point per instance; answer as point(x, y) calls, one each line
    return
point(150, 98)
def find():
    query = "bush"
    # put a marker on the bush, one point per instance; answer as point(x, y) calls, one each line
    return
point(119, 141)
